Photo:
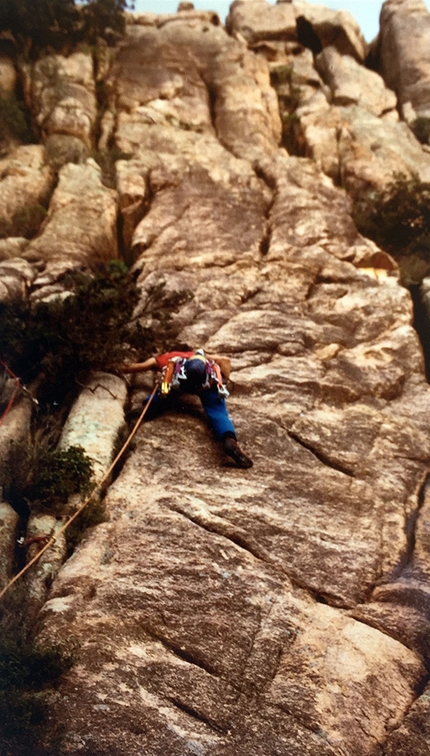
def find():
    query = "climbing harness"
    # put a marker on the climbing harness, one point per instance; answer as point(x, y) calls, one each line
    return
point(214, 376)
point(170, 375)
point(175, 371)
point(99, 485)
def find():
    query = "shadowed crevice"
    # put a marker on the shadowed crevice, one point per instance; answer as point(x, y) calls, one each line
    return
point(180, 652)
point(226, 530)
point(410, 532)
point(191, 712)
point(322, 457)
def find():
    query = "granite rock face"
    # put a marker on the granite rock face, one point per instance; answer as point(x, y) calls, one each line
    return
point(25, 185)
point(81, 224)
point(403, 41)
point(62, 98)
point(282, 609)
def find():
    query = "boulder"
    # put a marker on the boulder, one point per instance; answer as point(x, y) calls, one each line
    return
point(219, 212)
point(14, 430)
point(352, 84)
point(179, 138)
point(8, 75)
point(282, 608)
point(63, 96)
point(413, 734)
point(257, 20)
point(25, 186)
point(169, 687)
point(40, 529)
point(95, 423)
point(404, 59)
point(16, 277)
point(358, 149)
point(12, 246)
point(177, 90)
point(320, 27)
point(81, 223)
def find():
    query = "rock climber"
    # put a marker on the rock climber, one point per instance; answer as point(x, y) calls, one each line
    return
point(194, 372)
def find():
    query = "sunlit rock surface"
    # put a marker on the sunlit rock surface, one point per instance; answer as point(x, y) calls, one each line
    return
point(81, 222)
point(62, 97)
point(404, 41)
point(25, 184)
point(282, 609)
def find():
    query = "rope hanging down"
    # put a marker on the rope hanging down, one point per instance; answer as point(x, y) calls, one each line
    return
point(52, 539)
point(14, 393)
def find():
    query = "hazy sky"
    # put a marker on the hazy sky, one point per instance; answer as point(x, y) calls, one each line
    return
point(365, 11)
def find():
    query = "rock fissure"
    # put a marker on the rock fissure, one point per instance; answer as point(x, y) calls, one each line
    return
point(191, 712)
point(179, 651)
point(322, 457)
point(411, 521)
point(222, 527)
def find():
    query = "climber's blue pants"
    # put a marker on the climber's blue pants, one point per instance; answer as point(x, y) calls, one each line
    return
point(213, 404)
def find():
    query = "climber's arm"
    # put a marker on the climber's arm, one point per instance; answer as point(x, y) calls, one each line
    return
point(139, 367)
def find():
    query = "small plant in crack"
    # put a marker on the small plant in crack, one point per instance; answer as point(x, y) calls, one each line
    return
point(39, 479)
point(398, 220)
point(289, 97)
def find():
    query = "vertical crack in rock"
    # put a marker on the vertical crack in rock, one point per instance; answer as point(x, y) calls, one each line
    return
point(421, 323)
point(410, 531)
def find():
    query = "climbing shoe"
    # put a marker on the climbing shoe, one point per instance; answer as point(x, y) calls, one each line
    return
point(233, 450)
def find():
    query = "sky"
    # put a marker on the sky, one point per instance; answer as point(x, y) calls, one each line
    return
point(366, 12)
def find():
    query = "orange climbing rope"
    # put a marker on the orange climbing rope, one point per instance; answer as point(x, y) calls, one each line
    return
point(14, 393)
point(53, 538)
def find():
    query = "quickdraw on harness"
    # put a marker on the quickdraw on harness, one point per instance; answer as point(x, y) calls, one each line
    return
point(175, 371)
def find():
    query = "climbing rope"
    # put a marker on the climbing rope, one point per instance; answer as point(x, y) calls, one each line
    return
point(73, 517)
point(14, 393)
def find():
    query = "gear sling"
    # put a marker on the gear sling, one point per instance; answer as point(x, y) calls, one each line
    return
point(212, 393)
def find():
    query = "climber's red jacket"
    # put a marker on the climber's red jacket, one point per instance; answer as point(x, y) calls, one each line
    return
point(163, 359)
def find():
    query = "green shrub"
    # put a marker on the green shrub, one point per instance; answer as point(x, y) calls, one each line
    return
point(14, 121)
point(27, 222)
point(104, 18)
point(281, 75)
point(27, 671)
point(421, 129)
point(66, 339)
point(283, 80)
point(37, 477)
point(61, 23)
point(60, 474)
point(48, 27)
point(398, 219)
